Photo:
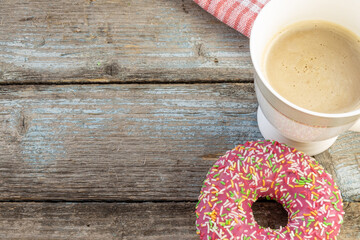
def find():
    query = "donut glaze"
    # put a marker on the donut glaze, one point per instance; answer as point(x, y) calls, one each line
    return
point(275, 171)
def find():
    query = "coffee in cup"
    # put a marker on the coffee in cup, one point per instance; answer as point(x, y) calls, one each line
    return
point(315, 65)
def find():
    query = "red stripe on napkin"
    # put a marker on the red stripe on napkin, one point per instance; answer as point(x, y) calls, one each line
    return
point(238, 14)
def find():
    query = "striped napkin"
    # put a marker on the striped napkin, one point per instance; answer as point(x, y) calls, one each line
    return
point(238, 14)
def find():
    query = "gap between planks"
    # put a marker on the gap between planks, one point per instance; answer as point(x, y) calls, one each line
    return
point(104, 81)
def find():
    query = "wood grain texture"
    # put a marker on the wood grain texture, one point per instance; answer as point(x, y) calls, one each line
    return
point(141, 221)
point(131, 142)
point(112, 148)
point(121, 142)
point(342, 160)
point(117, 41)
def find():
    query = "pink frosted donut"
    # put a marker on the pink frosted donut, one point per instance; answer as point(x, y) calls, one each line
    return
point(260, 169)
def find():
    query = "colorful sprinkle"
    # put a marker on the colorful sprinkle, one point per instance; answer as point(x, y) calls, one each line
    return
point(275, 171)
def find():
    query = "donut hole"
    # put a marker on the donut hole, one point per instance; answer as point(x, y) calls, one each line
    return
point(269, 213)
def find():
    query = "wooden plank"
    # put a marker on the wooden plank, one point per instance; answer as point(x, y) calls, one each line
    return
point(117, 41)
point(131, 142)
point(342, 160)
point(150, 221)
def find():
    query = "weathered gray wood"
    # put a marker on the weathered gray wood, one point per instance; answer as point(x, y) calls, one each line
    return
point(117, 41)
point(269, 214)
point(126, 142)
point(141, 221)
point(342, 160)
point(130, 142)
point(90, 221)
point(121, 142)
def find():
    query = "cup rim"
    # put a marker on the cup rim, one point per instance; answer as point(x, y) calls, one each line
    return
point(275, 93)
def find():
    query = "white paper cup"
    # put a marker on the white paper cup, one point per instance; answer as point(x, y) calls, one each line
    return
point(279, 119)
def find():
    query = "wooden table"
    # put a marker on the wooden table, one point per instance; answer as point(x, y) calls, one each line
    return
point(112, 111)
